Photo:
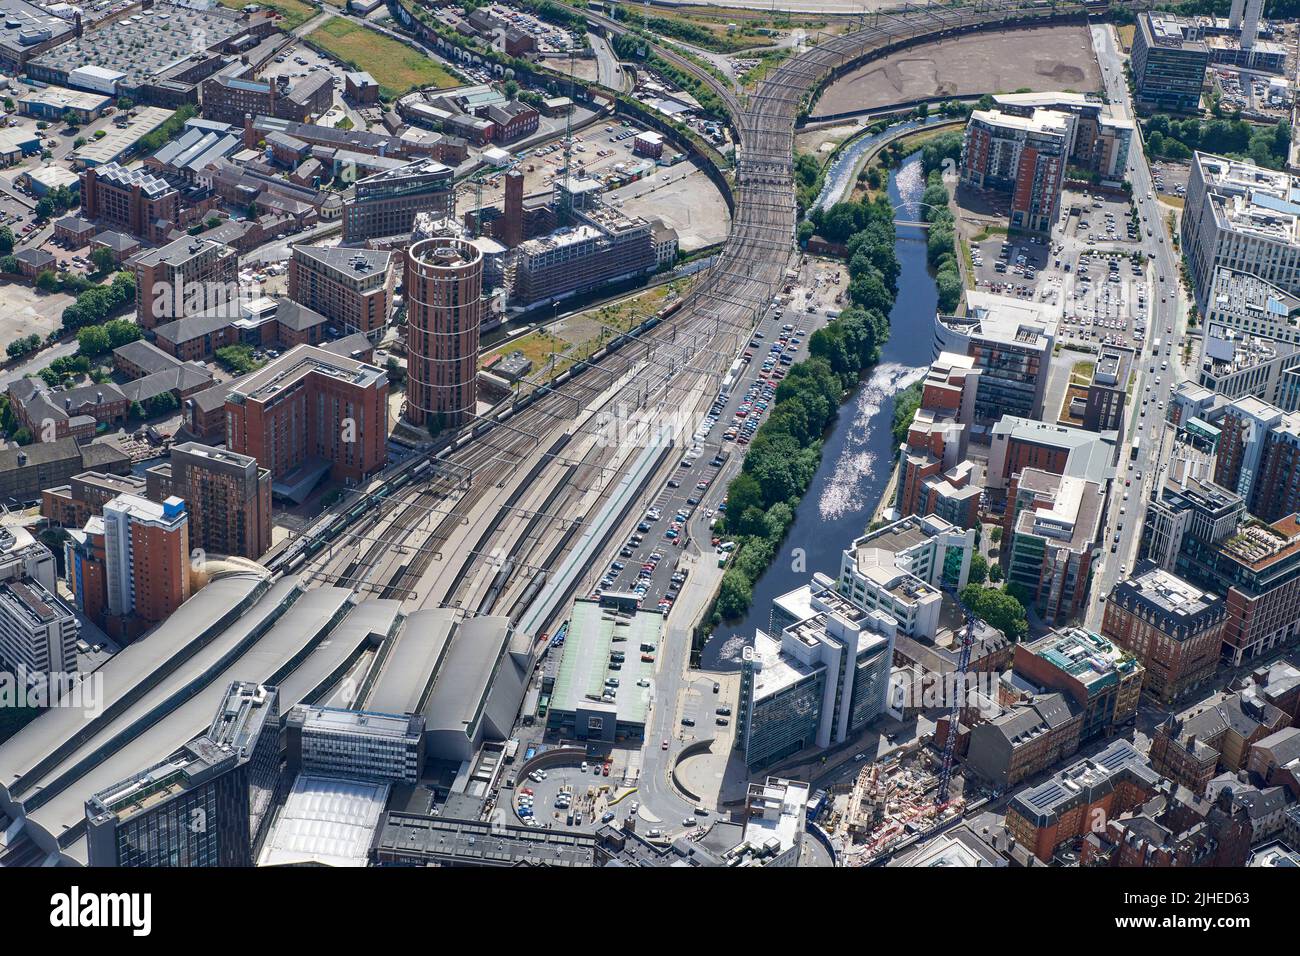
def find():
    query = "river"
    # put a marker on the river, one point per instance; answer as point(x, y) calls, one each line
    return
point(858, 453)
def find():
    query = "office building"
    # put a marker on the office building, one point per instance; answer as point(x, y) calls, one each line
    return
point(1173, 627)
point(386, 203)
point(147, 557)
point(38, 632)
point(228, 98)
point(308, 413)
point(1191, 750)
point(355, 744)
point(1051, 530)
point(444, 295)
point(228, 497)
point(903, 568)
point(817, 683)
point(1187, 520)
point(1252, 306)
point(594, 246)
point(1103, 679)
point(1022, 156)
point(1168, 68)
point(1049, 815)
point(351, 287)
point(1243, 218)
point(1235, 364)
point(1259, 567)
point(134, 201)
point(189, 276)
point(1024, 740)
point(1020, 443)
point(207, 805)
point(1107, 389)
point(776, 814)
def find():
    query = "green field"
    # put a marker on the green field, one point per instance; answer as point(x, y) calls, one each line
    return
point(293, 13)
point(395, 66)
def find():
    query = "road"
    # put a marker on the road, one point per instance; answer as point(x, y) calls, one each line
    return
point(1156, 374)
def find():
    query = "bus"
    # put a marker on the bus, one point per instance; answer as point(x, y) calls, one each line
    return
point(1136, 449)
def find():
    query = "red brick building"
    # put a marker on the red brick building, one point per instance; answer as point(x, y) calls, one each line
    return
point(307, 409)
point(131, 200)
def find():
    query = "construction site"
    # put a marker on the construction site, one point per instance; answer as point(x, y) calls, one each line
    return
point(891, 803)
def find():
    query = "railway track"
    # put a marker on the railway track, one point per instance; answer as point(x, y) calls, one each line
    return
point(424, 524)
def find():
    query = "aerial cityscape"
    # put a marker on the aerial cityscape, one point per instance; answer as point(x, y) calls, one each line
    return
point(726, 433)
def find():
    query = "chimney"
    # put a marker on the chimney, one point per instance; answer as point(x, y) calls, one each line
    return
point(1191, 742)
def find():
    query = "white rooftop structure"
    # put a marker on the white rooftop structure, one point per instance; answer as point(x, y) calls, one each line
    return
point(325, 822)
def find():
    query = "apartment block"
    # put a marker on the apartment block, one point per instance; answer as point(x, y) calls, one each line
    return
point(935, 450)
point(308, 413)
point(1099, 138)
point(1173, 627)
point(387, 203)
point(1188, 518)
point(130, 200)
point(1259, 567)
point(146, 558)
point(183, 278)
point(228, 497)
point(444, 316)
point(351, 287)
point(73, 504)
point(1022, 156)
point(1258, 456)
point(1018, 443)
point(1168, 68)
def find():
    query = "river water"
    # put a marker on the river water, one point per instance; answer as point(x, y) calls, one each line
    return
point(858, 453)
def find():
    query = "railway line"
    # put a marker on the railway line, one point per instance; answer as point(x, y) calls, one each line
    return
point(478, 526)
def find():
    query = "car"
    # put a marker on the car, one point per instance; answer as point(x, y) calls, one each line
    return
point(688, 822)
point(664, 744)
point(716, 687)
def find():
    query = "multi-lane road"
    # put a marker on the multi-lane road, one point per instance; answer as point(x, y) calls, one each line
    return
point(1157, 374)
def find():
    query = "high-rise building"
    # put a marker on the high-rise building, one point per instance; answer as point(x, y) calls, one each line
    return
point(1244, 218)
point(38, 632)
point(208, 804)
point(1259, 567)
point(1011, 342)
point(386, 203)
point(444, 308)
point(86, 562)
point(1174, 628)
point(1099, 138)
point(147, 557)
point(310, 412)
point(22, 556)
point(351, 287)
point(1052, 527)
point(1168, 67)
point(932, 459)
point(817, 683)
point(1187, 520)
point(337, 742)
point(903, 568)
point(187, 277)
point(1258, 456)
point(1020, 443)
point(1024, 156)
point(228, 497)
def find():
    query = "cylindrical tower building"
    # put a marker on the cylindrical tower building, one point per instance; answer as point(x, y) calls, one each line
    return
point(444, 301)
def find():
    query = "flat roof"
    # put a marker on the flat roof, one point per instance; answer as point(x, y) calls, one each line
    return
point(594, 633)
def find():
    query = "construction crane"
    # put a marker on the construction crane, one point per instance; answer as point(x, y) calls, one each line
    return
point(954, 713)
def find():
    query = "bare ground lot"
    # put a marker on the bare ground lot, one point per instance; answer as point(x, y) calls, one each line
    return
point(24, 311)
point(1042, 58)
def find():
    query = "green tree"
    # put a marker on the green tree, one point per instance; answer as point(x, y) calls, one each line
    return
point(998, 609)
point(979, 569)
point(6, 240)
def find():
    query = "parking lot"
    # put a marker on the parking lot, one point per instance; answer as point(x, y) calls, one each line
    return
point(687, 504)
point(574, 797)
point(1094, 272)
